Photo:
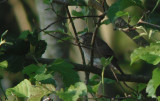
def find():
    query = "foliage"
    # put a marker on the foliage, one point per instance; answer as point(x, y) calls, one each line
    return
point(39, 78)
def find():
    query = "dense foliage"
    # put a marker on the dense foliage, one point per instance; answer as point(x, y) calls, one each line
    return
point(24, 55)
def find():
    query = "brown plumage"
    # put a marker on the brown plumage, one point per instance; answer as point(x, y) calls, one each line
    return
point(101, 49)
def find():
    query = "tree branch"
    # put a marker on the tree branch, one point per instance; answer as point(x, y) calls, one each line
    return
point(95, 70)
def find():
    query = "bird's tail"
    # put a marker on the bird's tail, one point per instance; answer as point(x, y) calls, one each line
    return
point(115, 64)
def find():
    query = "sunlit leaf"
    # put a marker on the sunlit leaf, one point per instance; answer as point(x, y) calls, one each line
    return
point(27, 90)
point(3, 64)
point(150, 54)
point(73, 92)
point(153, 83)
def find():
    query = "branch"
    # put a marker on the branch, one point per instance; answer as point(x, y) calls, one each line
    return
point(95, 70)
point(76, 35)
point(131, 32)
point(141, 22)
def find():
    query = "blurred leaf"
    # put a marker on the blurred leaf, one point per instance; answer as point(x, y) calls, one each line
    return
point(108, 81)
point(61, 31)
point(33, 93)
point(64, 39)
point(33, 70)
point(116, 9)
point(141, 86)
point(24, 35)
point(153, 83)
point(66, 70)
point(47, 1)
point(96, 87)
point(41, 77)
point(3, 64)
point(121, 13)
point(105, 62)
point(150, 54)
point(77, 2)
point(73, 92)
point(106, 22)
point(76, 13)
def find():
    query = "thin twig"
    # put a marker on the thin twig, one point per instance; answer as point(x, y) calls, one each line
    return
point(64, 18)
point(149, 24)
point(79, 46)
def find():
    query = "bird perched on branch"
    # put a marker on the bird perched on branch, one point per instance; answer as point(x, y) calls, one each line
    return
point(101, 49)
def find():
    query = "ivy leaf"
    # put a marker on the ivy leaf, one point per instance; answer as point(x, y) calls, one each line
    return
point(117, 8)
point(69, 75)
point(150, 54)
point(73, 92)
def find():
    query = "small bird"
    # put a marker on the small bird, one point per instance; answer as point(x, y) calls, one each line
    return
point(101, 49)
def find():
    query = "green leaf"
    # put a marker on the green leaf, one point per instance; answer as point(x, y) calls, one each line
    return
point(77, 2)
point(105, 62)
point(73, 92)
point(33, 93)
point(150, 54)
point(140, 87)
point(106, 22)
point(76, 13)
point(66, 70)
point(21, 90)
point(47, 1)
point(3, 64)
point(24, 35)
point(41, 77)
point(32, 70)
point(96, 87)
point(121, 13)
point(153, 83)
point(117, 8)
point(61, 31)
point(108, 81)
point(151, 89)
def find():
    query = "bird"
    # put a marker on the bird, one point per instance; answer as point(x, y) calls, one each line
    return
point(101, 49)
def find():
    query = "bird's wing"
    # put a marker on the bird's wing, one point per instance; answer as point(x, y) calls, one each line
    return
point(103, 50)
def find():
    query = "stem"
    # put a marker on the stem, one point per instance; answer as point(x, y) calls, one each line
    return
point(79, 46)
